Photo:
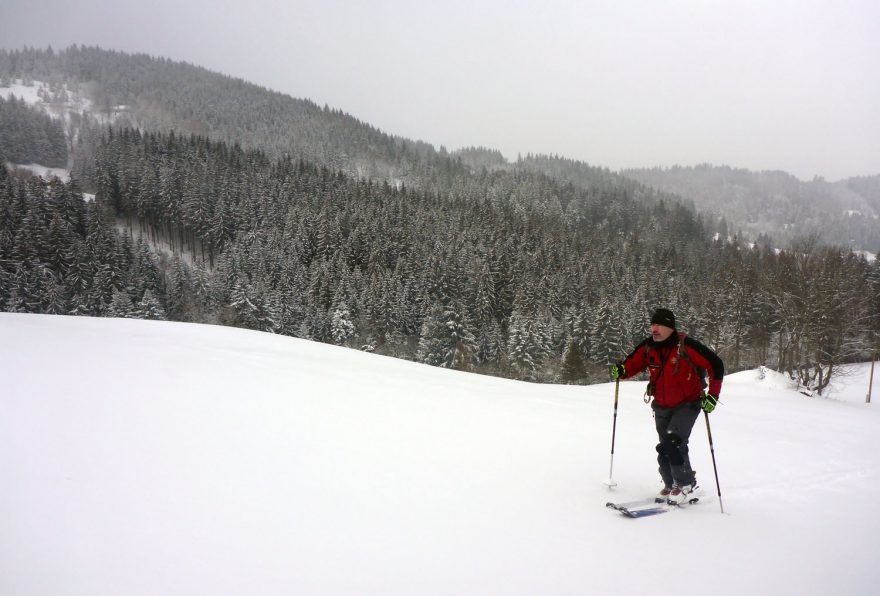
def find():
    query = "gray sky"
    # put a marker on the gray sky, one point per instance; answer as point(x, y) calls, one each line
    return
point(764, 84)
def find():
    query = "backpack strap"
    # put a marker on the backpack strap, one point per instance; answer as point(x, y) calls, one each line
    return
point(649, 392)
point(682, 353)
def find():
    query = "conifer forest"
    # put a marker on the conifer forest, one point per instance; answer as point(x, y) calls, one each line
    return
point(259, 211)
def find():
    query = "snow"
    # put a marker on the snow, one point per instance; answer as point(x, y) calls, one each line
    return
point(28, 93)
point(143, 458)
point(75, 103)
point(43, 172)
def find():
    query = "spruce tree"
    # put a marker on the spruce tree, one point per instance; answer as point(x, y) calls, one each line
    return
point(149, 308)
point(573, 366)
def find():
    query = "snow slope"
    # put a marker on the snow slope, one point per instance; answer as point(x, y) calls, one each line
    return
point(147, 458)
point(36, 94)
point(28, 93)
point(43, 172)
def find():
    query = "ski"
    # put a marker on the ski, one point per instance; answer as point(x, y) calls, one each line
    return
point(644, 512)
point(632, 504)
point(640, 508)
point(648, 507)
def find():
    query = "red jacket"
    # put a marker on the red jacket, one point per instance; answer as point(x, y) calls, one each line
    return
point(679, 382)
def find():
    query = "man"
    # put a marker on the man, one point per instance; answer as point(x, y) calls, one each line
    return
point(676, 363)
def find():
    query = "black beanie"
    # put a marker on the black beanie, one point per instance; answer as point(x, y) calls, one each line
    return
point(663, 316)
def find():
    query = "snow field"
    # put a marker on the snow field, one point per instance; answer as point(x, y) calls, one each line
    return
point(144, 457)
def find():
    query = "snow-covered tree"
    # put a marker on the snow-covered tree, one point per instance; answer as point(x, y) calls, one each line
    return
point(446, 340)
point(341, 326)
point(149, 308)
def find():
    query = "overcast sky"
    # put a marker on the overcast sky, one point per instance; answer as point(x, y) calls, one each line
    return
point(766, 84)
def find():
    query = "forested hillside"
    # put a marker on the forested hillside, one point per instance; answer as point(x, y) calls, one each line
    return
point(62, 255)
point(218, 201)
point(778, 205)
point(163, 95)
point(510, 274)
point(769, 207)
point(28, 136)
point(156, 94)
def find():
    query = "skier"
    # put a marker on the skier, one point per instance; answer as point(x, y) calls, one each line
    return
point(676, 366)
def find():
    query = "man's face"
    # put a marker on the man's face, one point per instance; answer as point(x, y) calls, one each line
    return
point(660, 332)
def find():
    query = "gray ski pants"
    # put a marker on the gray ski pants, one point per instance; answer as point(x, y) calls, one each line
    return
point(674, 427)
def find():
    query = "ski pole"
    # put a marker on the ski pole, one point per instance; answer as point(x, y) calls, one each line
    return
point(610, 482)
point(714, 465)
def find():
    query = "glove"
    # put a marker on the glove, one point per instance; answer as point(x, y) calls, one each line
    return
point(617, 371)
point(709, 402)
